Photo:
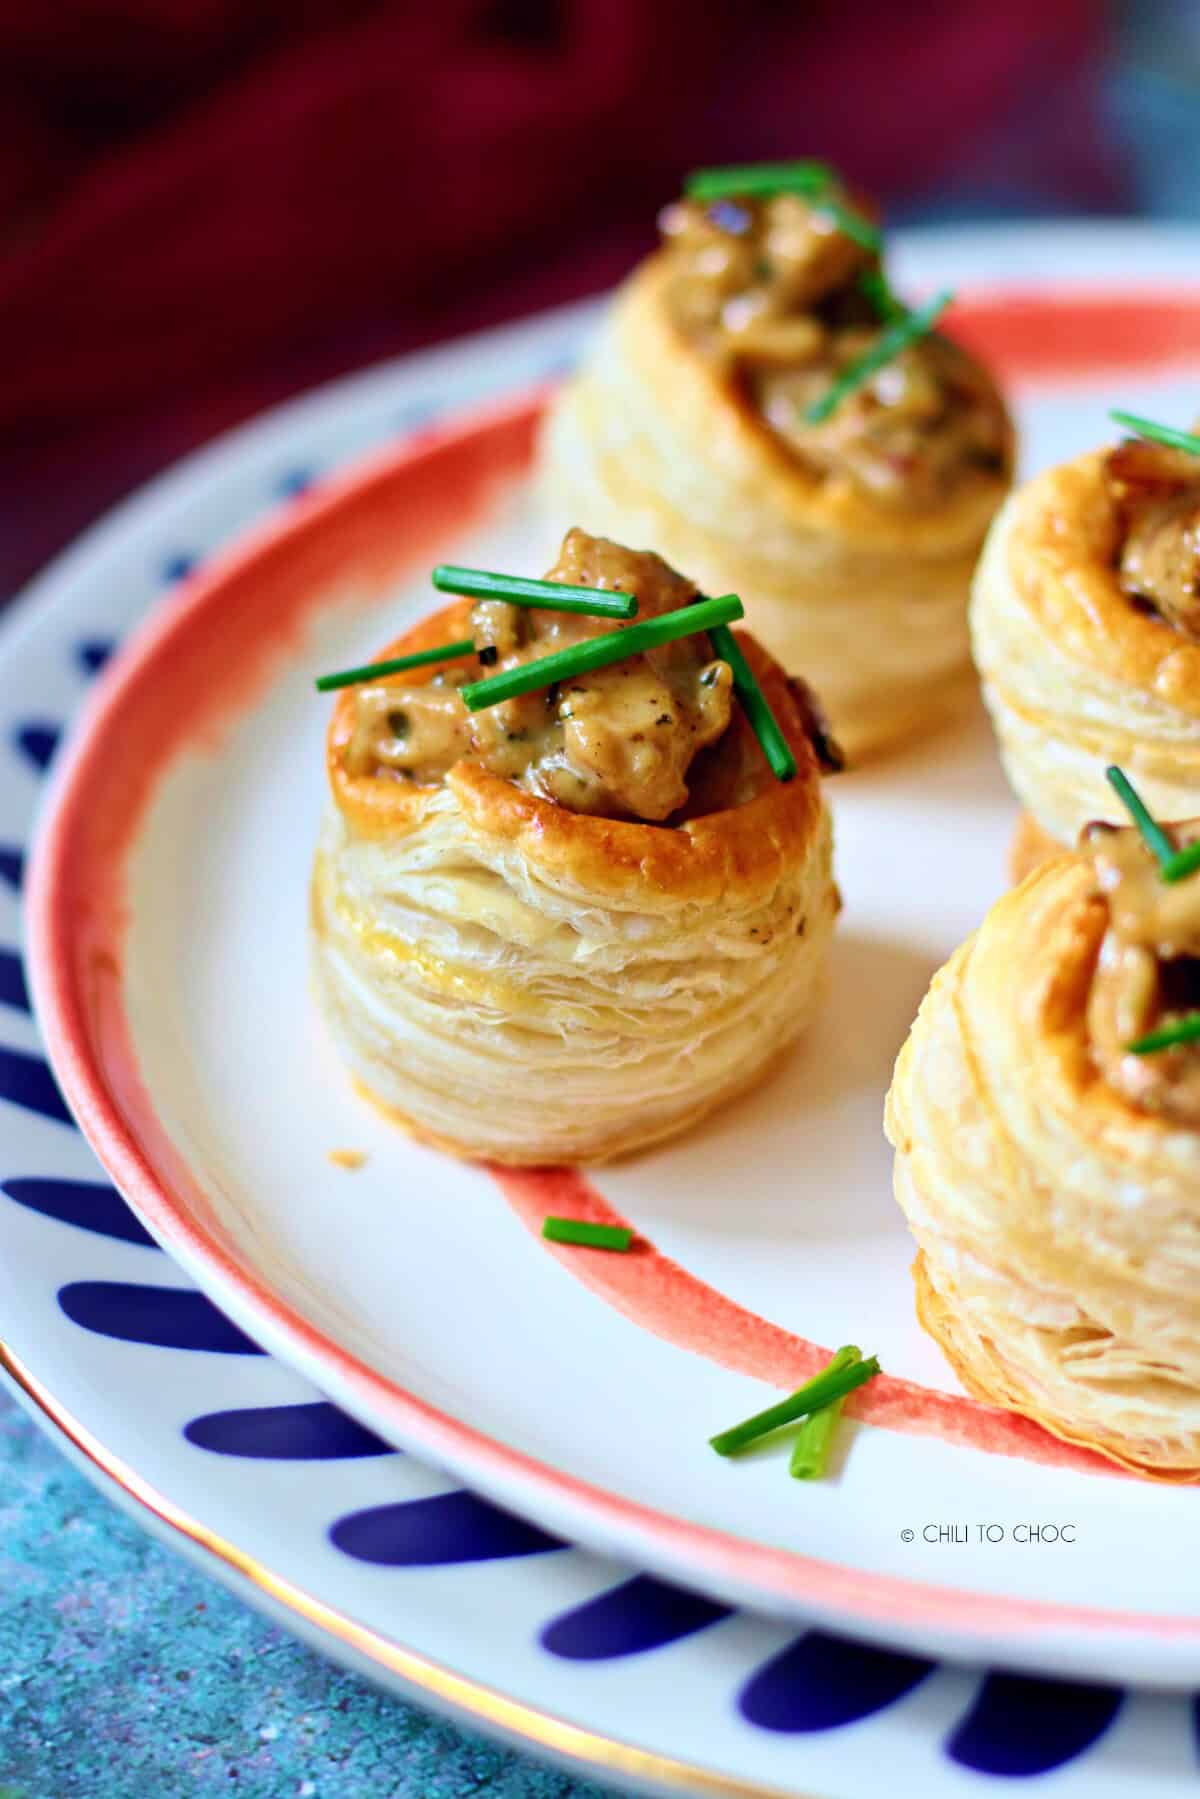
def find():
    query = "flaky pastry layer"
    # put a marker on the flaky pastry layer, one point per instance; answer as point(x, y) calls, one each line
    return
point(520, 982)
point(1074, 675)
point(1058, 1227)
point(649, 445)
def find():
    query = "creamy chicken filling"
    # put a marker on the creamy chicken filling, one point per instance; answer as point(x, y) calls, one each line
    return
point(619, 742)
point(1147, 975)
point(771, 293)
point(1156, 492)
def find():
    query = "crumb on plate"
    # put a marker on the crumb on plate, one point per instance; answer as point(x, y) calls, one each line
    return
point(347, 1158)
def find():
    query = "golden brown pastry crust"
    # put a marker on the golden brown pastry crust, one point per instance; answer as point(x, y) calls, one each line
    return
point(1058, 1226)
point(650, 444)
point(1076, 676)
point(519, 981)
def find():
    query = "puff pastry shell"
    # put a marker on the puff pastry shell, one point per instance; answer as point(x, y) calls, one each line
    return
point(1058, 1227)
point(648, 444)
point(516, 981)
point(1074, 675)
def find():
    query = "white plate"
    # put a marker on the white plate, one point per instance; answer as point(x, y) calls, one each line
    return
point(416, 1299)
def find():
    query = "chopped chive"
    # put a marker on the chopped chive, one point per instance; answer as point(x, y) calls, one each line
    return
point(850, 223)
point(601, 652)
point(878, 289)
point(1183, 863)
point(1184, 1030)
point(1152, 833)
point(1163, 434)
point(543, 596)
point(814, 1439)
point(822, 1390)
point(755, 705)
point(897, 337)
point(759, 179)
point(592, 1236)
point(370, 671)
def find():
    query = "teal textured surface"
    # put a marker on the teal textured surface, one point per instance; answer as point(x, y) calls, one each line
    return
point(127, 1674)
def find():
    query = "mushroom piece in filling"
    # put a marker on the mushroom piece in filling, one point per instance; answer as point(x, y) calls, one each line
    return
point(1156, 493)
point(1147, 974)
point(618, 742)
point(770, 292)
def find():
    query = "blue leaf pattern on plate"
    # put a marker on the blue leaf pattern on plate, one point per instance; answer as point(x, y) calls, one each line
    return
point(1020, 1726)
point(449, 1528)
point(13, 991)
point(821, 1682)
point(165, 1317)
point(37, 742)
point(295, 481)
point(318, 1432)
point(12, 866)
point(92, 1205)
point(640, 1614)
point(93, 653)
point(27, 1081)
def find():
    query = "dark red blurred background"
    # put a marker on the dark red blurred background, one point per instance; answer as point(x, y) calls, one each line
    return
point(208, 204)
